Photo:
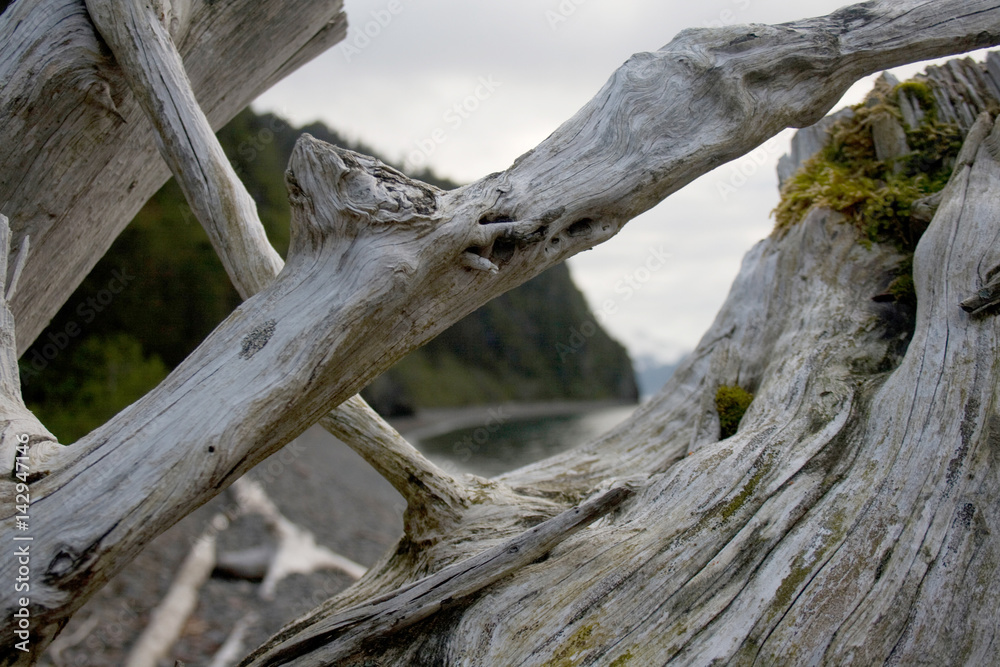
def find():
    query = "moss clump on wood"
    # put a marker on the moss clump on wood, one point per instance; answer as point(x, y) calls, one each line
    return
point(875, 195)
point(902, 287)
point(731, 402)
point(878, 196)
point(922, 93)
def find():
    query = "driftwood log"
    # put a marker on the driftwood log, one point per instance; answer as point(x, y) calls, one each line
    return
point(849, 519)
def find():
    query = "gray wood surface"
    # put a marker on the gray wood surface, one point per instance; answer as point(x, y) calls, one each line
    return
point(845, 522)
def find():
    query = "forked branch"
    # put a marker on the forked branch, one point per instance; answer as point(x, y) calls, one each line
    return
point(142, 44)
point(341, 634)
point(379, 264)
point(21, 434)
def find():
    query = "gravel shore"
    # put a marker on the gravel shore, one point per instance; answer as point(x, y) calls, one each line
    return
point(316, 482)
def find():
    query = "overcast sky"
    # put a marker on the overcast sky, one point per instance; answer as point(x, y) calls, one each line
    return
point(494, 79)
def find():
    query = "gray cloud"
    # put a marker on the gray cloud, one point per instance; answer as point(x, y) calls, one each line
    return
point(406, 65)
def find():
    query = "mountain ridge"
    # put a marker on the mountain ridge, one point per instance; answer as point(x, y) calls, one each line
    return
point(160, 290)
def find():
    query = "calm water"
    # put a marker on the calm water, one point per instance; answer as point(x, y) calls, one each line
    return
point(494, 448)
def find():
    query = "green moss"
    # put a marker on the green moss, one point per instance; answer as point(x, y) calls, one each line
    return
point(902, 287)
point(760, 470)
point(734, 505)
point(875, 195)
point(804, 565)
point(923, 94)
point(731, 402)
point(790, 584)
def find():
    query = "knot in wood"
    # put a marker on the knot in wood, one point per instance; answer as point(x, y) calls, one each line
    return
point(255, 341)
point(65, 561)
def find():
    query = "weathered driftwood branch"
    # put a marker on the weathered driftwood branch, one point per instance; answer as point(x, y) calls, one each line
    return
point(19, 261)
point(343, 634)
point(21, 434)
point(167, 621)
point(846, 522)
point(232, 649)
point(84, 160)
point(138, 37)
point(426, 488)
point(297, 551)
point(816, 359)
point(379, 264)
point(986, 296)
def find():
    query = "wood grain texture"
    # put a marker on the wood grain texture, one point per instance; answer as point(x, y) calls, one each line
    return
point(846, 522)
point(338, 636)
point(140, 38)
point(19, 428)
point(84, 160)
point(739, 550)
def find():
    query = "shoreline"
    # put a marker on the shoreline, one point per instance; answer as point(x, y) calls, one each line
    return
point(432, 422)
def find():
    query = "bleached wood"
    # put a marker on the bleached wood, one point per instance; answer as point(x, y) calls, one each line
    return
point(79, 158)
point(720, 553)
point(847, 521)
point(297, 551)
point(792, 335)
point(139, 39)
point(64, 642)
point(432, 495)
point(986, 296)
point(20, 260)
point(20, 430)
point(339, 636)
point(232, 649)
point(137, 35)
point(168, 619)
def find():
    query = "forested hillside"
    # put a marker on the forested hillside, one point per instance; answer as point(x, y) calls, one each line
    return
point(161, 289)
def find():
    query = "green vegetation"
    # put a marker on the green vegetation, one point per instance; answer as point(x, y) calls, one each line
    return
point(923, 94)
point(804, 565)
point(537, 342)
point(117, 337)
point(623, 660)
point(875, 195)
point(577, 644)
point(103, 375)
point(902, 288)
point(731, 402)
